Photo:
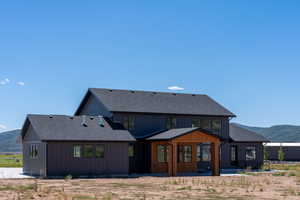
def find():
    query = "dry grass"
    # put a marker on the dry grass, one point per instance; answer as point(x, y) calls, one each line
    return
point(244, 187)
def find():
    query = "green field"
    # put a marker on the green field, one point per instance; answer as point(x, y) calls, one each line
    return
point(11, 160)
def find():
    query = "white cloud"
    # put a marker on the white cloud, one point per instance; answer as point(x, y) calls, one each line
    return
point(175, 88)
point(21, 83)
point(5, 81)
point(2, 127)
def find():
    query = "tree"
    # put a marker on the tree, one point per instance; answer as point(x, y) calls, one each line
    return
point(281, 154)
point(266, 153)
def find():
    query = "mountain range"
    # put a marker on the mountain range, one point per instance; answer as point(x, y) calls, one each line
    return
point(280, 133)
point(10, 140)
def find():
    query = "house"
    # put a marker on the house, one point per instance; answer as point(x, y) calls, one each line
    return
point(143, 132)
point(291, 151)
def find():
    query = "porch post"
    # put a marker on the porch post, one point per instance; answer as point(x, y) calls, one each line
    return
point(174, 159)
point(170, 159)
point(216, 159)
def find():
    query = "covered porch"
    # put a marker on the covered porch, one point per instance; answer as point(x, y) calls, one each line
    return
point(175, 151)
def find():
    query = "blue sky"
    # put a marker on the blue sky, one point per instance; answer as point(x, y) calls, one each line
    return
point(244, 54)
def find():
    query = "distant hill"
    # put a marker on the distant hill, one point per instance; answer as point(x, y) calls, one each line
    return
point(10, 141)
point(280, 133)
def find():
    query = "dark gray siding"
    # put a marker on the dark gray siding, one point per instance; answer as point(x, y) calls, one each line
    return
point(291, 153)
point(94, 107)
point(61, 161)
point(242, 162)
point(146, 124)
point(34, 166)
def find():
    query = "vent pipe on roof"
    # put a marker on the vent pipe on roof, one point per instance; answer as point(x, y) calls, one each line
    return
point(84, 123)
point(101, 121)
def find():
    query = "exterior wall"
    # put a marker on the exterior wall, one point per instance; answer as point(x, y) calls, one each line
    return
point(33, 166)
point(146, 124)
point(94, 107)
point(241, 156)
point(61, 161)
point(291, 153)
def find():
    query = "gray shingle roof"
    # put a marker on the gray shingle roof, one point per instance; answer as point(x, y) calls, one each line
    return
point(173, 133)
point(159, 102)
point(67, 128)
point(239, 134)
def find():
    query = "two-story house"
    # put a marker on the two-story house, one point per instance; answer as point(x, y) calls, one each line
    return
point(155, 132)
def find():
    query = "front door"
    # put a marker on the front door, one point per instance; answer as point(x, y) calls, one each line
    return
point(204, 157)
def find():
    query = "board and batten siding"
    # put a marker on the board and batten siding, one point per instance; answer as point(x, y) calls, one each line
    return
point(34, 166)
point(146, 124)
point(61, 160)
point(291, 153)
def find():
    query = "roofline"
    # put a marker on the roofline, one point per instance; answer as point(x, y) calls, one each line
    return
point(161, 113)
point(196, 129)
point(79, 141)
point(83, 102)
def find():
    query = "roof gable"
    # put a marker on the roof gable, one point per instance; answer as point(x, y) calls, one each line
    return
point(159, 102)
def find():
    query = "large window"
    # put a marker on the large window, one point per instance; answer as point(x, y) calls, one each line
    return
point(250, 153)
point(162, 153)
point(33, 151)
point(196, 123)
point(171, 122)
point(129, 122)
point(88, 151)
point(77, 151)
point(185, 153)
point(99, 151)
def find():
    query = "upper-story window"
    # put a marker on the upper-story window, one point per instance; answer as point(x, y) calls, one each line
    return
point(171, 123)
point(196, 123)
point(129, 122)
point(216, 126)
point(207, 124)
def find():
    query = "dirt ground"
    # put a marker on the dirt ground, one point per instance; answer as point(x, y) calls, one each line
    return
point(266, 186)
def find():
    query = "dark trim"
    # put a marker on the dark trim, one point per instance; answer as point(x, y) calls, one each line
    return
point(83, 141)
point(171, 114)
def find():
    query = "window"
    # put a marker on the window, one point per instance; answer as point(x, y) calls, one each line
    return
point(205, 124)
point(185, 153)
point(33, 151)
point(196, 123)
point(131, 150)
point(171, 123)
point(198, 153)
point(216, 126)
point(128, 122)
point(162, 153)
point(88, 151)
point(99, 153)
point(250, 153)
point(77, 151)
point(233, 153)
point(206, 152)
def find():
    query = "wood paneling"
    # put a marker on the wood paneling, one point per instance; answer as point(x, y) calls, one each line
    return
point(173, 166)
